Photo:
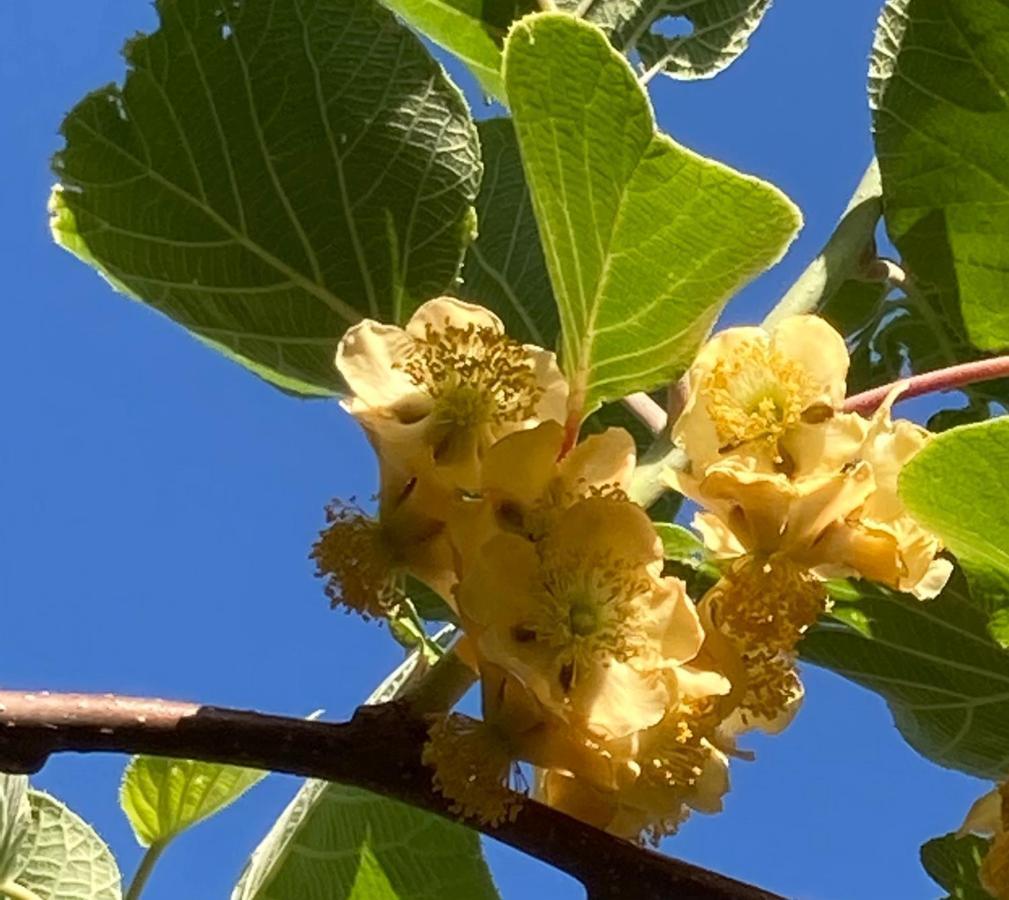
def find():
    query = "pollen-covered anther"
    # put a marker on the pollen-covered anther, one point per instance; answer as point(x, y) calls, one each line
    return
point(772, 685)
point(353, 556)
point(768, 602)
point(473, 769)
point(476, 375)
point(755, 394)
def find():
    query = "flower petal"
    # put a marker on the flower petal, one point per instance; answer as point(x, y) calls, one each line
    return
point(448, 311)
point(366, 357)
point(601, 459)
point(819, 349)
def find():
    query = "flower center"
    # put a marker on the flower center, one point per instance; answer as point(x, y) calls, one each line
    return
point(476, 376)
point(588, 611)
point(768, 603)
point(757, 394)
point(584, 619)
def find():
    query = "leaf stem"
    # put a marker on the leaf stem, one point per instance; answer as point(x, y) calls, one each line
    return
point(647, 411)
point(147, 864)
point(14, 891)
point(948, 379)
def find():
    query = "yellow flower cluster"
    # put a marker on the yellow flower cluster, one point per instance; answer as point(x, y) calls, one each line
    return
point(989, 817)
point(596, 667)
point(793, 490)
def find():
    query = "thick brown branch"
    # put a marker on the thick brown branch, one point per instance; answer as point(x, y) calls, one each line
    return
point(378, 749)
point(947, 379)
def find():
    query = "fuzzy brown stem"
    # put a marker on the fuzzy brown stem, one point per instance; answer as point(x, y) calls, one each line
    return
point(947, 379)
point(378, 750)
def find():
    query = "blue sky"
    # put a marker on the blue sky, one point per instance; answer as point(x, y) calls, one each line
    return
point(159, 502)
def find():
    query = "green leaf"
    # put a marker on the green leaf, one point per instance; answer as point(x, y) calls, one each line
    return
point(163, 797)
point(429, 604)
point(945, 679)
point(15, 825)
point(681, 544)
point(473, 30)
point(953, 862)
point(644, 240)
point(958, 487)
point(341, 842)
point(940, 91)
point(69, 861)
point(271, 172)
point(715, 32)
point(505, 269)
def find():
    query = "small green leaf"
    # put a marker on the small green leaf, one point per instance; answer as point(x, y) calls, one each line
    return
point(957, 487)
point(953, 862)
point(270, 173)
point(938, 87)
point(644, 240)
point(163, 797)
point(505, 269)
point(429, 604)
point(15, 825)
point(712, 34)
point(681, 544)
point(69, 861)
point(944, 677)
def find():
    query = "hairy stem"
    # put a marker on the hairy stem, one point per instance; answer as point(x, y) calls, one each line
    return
point(147, 864)
point(947, 379)
point(647, 411)
point(378, 750)
point(14, 891)
point(847, 251)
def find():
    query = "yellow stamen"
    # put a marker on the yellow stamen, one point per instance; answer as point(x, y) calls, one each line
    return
point(587, 609)
point(476, 375)
point(772, 685)
point(353, 555)
point(679, 750)
point(756, 394)
point(473, 769)
point(768, 602)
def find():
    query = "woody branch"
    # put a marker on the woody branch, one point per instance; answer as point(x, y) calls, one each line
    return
point(378, 750)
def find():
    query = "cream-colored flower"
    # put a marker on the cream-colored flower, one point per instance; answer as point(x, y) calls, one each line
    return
point(989, 817)
point(677, 769)
point(881, 541)
point(747, 389)
point(475, 762)
point(365, 559)
point(584, 618)
point(447, 386)
point(525, 484)
point(838, 515)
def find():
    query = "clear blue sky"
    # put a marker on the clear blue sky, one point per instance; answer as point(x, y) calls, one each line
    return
point(158, 501)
